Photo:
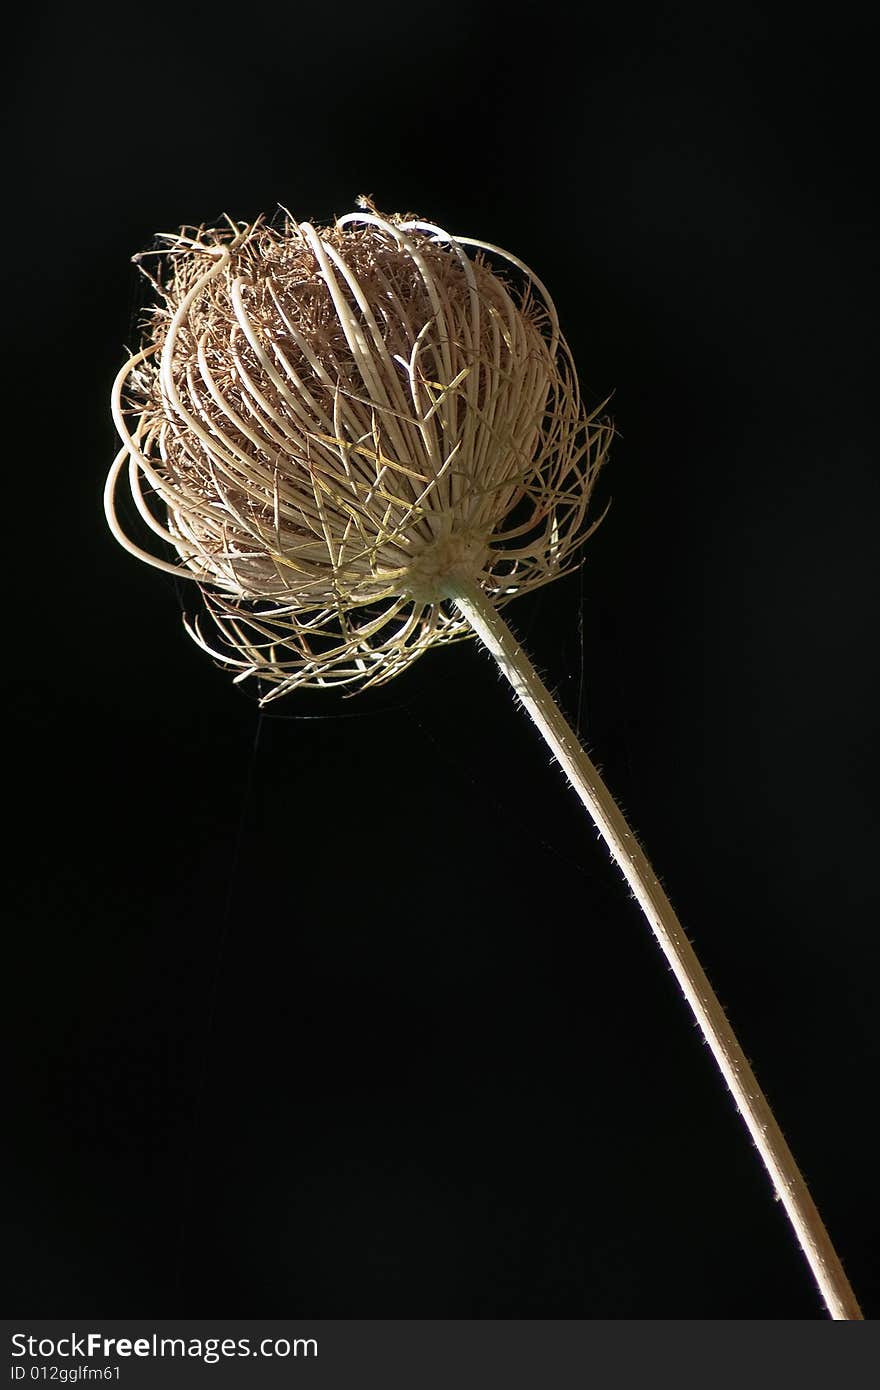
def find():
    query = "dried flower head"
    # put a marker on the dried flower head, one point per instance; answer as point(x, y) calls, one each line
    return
point(328, 424)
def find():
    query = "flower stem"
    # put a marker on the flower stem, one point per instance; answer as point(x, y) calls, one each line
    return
point(787, 1180)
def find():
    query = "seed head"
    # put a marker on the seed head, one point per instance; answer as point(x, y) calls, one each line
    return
point(329, 424)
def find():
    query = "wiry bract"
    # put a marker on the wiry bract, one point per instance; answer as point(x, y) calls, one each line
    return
point(337, 421)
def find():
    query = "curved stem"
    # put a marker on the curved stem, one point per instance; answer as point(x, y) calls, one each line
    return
point(626, 851)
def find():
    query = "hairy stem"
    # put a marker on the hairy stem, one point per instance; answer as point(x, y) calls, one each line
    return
point(626, 851)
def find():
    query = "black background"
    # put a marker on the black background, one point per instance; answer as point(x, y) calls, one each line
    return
point(342, 1011)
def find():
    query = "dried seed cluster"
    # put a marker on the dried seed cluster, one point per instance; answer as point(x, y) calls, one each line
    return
point(329, 424)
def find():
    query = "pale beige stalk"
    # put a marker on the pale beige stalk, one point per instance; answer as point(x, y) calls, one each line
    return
point(627, 853)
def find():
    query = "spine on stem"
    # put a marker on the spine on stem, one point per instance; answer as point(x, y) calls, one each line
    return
point(584, 777)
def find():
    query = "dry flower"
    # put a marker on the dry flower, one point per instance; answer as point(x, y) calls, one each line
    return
point(335, 419)
point(362, 441)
